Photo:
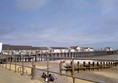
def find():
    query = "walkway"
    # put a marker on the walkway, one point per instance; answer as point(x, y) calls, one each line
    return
point(7, 76)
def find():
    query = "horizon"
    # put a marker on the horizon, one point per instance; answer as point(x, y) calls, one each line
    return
point(60, 23)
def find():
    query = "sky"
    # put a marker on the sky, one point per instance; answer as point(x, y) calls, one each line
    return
point(64, 23)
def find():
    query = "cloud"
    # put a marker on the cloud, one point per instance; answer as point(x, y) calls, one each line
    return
point(109, 5)
point(6, 27)
point(31, 5)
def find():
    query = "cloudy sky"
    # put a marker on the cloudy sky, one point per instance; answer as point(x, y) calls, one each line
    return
point(87, 23)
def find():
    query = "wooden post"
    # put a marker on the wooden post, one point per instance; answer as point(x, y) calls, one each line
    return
point(89, 66)
point(2, 60)
point(84, 65)
point(10, 63)
point(6, 62)
point(73, 70)
point(78, 65)
point(101, 65)
point(22, 73)
point(60, 67)
point(104, 65)
point(93, 65)
point(47, 68)
point(110, 64)
point(15, 63)
point(98, 65)
point(33, 71)
point(36, 58)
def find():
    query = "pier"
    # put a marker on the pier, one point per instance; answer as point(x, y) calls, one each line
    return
point(37, 57)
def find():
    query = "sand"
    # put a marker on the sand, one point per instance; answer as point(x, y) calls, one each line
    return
point(7, 76)
point(102, 76)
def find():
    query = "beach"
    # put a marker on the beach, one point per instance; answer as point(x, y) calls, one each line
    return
point(103, 76)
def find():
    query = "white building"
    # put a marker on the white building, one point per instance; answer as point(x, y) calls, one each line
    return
point(75, 49)
point(59, 49)
point(87, 49)
point(108, 49)
point(16, 49)
point(0, 47)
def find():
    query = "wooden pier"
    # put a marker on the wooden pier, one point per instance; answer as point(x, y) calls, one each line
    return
point(54, 56)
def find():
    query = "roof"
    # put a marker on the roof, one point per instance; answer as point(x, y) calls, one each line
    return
point(58, 47)
point(74, 47)
point(86, 47)
point(17, 47)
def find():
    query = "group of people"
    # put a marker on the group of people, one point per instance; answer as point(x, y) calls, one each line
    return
point(47, 78)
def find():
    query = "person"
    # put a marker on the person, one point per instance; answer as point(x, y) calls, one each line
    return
point(44, 76)
point(51, 78)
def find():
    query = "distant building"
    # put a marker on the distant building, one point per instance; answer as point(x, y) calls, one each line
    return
point(15, 49)
point(108, 49)
point(87, 49)
point(75, 49)
point(59, 49)
point(43, 50)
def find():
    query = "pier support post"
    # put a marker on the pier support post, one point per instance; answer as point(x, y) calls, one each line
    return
point(15, 63)
point(93, 65)
point(89, 66)
point(22, 73)
point(98, 65)
point(84, 65)
point(101, 65)
point(78, 65)
point(6, 62)
point(10, 63)
point(104, 65)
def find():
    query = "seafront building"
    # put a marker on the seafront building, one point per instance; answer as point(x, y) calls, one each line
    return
point(81, 49)
point(15, 49)
point(75, 49)
point(21, 49)
point(59, 49)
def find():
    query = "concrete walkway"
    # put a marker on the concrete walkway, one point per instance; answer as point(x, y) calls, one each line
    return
point(8, 76)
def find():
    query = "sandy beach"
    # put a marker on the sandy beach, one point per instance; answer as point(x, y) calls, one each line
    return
point(103, 76)
point(7, 76)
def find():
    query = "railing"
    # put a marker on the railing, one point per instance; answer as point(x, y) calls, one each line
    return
point(30, 70)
